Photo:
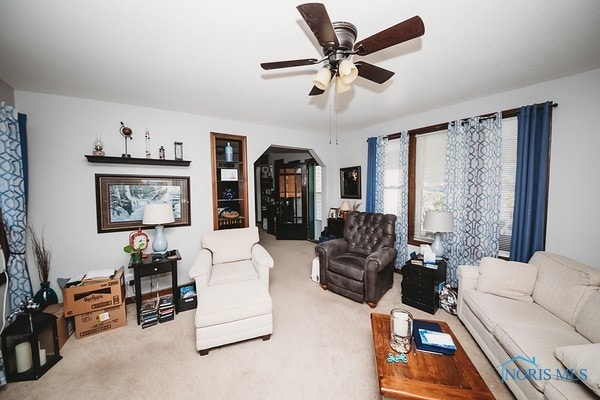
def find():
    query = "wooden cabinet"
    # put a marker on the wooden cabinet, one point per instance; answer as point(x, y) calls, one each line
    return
point(229, 181)
point(421, 285)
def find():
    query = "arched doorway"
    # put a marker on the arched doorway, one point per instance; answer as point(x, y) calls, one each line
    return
point(288, 193)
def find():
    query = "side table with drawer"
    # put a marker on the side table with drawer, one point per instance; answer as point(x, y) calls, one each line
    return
point(421, 285)
point(148, 268)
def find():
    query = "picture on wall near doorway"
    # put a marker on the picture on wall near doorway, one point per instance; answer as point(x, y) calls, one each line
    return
point(120, 199)
point(350, 183)
point(333, 213)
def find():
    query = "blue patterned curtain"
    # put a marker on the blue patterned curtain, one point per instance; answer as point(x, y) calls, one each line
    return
point(531, 189)
point(375, 173)
point(371, 173)
point(402, 217)
point(12, 201)
point(472, 191)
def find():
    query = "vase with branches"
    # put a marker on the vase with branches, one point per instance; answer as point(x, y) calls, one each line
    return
point(46, 295)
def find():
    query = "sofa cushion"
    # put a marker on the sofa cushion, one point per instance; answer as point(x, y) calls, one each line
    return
point(567, 390)
point(226, 303)
point(588, 319)
point(511, 279)
point(349, 265)
point(536, 343)
point(562, 284)
point(492, 310)
point(236, 271)
point(584, 360)
point(231, 244)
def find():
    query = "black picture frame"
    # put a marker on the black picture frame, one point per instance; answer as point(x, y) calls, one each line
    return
point(350, 182)
point(120, 199)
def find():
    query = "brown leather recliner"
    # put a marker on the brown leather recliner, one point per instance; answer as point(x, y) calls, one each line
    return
point(360, 266)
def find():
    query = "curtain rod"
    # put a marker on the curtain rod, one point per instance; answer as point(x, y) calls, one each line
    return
point(512, 112)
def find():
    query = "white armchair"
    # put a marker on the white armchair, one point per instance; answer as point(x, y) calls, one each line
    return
point(231, 255)
point(232, 282)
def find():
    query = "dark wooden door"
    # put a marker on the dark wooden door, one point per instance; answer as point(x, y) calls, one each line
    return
point(291, 201)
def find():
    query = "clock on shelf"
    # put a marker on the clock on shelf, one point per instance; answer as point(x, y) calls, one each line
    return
point(139, 240)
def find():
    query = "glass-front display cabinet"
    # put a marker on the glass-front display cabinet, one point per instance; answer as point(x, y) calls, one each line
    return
point(229, 181)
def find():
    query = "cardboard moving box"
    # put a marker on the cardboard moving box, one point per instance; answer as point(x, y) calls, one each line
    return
point(100, 321)
point(64, 326)
point(98, 295)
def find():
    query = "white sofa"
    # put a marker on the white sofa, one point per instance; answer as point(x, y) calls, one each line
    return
point(538, 323)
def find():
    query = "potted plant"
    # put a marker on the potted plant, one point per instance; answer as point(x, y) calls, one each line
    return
point(136, 252)
point(46, 295)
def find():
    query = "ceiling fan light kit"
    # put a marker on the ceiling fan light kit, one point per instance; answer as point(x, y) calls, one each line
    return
point(322, 78)
point(341, 86)
point(347, 71)
point(338, 39)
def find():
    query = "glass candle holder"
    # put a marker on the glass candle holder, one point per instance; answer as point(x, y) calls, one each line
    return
point(401, 327)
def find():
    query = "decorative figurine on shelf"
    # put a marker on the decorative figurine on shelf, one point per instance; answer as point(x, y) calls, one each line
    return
point(161, 152)
point(147, 136)
point(127, 133)
point(98, 146)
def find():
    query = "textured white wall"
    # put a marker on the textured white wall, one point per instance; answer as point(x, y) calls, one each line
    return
point(573, 210)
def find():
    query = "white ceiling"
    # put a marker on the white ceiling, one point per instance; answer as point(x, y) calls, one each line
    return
point(203, 57)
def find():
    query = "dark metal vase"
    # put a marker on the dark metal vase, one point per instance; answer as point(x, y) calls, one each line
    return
point(45, 296)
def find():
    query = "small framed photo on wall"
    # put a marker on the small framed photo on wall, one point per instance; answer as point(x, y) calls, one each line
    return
point(350, 182)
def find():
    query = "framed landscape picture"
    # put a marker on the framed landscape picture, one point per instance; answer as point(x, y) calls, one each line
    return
point(120, 199)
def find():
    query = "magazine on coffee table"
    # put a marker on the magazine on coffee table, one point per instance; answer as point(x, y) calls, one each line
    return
point(419, 325)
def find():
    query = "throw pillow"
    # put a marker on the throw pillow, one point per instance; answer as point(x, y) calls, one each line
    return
point(511, 279)
point(584, 361)
point(588, 319)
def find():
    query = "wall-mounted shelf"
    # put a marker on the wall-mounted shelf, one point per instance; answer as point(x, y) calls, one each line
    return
point(142, 161)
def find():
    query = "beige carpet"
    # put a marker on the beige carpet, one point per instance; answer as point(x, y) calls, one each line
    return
point(321, 348)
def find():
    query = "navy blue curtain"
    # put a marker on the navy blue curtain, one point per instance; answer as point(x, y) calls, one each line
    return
point(531, 189)
point(371, 173)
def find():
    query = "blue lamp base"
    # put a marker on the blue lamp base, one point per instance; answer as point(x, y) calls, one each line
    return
point(160, 244)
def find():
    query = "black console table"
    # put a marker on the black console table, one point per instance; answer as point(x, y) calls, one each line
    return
point(335, 227)
point(148, 268)
point(421, 285)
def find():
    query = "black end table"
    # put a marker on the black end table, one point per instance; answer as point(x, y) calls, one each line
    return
point(148, 268)
point(421, 285)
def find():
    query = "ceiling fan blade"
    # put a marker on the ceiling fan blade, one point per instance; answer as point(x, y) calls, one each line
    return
point(406, 30)
point(289, 63)
point(373, 72)
point(318, 21)
point(316, 91)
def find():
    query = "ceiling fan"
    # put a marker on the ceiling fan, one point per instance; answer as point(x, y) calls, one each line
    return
point(338, 42)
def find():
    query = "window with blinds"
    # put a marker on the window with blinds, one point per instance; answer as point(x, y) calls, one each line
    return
point(318, 193)
point(429, 169)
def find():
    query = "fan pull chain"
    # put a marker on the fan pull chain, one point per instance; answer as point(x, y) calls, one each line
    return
point(330, 118)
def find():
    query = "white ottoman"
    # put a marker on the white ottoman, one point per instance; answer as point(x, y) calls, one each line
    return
point(232, 312)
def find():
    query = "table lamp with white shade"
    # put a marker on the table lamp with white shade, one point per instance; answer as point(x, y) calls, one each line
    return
point(158, 214)
point(439, 222)
point(345, 208)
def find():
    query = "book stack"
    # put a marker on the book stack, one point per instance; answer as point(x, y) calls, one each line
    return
point(430, 338)
point(149, 313)
point(166, 308)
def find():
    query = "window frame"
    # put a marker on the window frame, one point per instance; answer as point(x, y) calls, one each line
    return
point(412, 160)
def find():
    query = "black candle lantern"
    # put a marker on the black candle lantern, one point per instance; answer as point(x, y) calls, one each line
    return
point(30, 346)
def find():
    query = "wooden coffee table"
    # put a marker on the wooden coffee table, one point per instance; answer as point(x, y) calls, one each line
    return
point(426, 376)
